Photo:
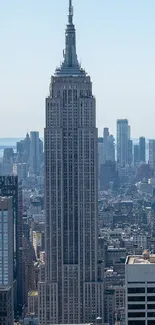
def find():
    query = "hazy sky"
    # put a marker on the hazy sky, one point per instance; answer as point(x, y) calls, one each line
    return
point(115, 44)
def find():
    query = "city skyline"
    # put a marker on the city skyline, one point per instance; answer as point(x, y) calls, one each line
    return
point(77, 206)
point(121, 39)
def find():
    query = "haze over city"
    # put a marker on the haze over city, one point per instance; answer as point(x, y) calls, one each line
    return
point(115, 40)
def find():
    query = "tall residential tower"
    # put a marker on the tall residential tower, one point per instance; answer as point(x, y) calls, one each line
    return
point(73, 288)
point(34, 153)
point(142, 149)
point(123, 137)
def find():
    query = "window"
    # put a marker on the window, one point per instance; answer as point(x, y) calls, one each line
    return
point(151, 314)
point(137, 314)
point(151, 290)
point(136, 290)
point(136, 306)
point(140, 298)
point(151, 298)
point(151, 282)
point(137, 322)
point(151, 306)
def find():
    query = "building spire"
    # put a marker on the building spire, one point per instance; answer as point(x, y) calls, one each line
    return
point(70, 16)
point(70, 64)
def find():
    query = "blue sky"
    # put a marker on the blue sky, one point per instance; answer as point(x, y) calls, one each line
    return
point(115, 44)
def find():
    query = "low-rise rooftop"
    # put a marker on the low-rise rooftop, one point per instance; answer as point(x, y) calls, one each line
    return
point(146, 258)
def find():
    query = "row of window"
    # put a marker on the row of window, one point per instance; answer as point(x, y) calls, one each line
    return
point(141, 290)
point(141, 322)
point(140, 314)
point(141, 298)
point(141, 306)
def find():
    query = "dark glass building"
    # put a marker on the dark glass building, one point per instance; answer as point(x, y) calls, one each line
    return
point(9, 187)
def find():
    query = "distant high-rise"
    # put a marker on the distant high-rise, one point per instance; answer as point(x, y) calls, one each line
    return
point(130, 151)
point(23, 150)
point(122, 142)
point(100, 154)
point(142, 152)
point(34, 153)
point(105, 143)
point(8, 155)
point(108, 146)
point(109, 176)
point(73, 289)
point(136, 155)
point(152, 154)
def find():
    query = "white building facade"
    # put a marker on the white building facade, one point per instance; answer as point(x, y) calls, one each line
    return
point(140, 289)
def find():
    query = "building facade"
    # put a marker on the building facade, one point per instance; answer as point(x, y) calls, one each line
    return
point(140, 289)
point(142, 149)
point(9, 187)
point(105, 144)
point(152, 154)
point(6, 305)
point(136, 155)
point(72, 291)
point(100, 155)
point(122, 142)
point(34, 153)
point(6, 240)
point(33, 303)
point(108, 146)
point(130, 152)
point(20, 170)
point(6, 258)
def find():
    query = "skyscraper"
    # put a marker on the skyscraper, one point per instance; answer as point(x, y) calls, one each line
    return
point(152, 154)
point(23, 150)
point(136, 155)
point(105, 143)
point(130, 151)
point(100, 155)
point(34, 153)
point(108, 146)
point(73, 290)
point(142, 152)
point(122, 142)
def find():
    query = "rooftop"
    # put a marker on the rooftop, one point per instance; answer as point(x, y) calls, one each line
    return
point(146, 258)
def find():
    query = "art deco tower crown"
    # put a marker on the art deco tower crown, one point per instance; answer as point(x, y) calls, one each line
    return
point(70, 64)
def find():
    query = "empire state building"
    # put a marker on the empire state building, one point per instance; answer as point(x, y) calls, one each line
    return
point(72, 291)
